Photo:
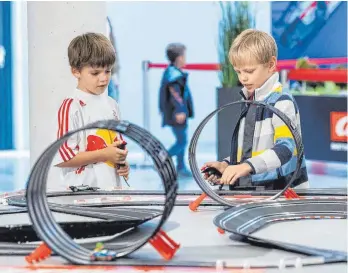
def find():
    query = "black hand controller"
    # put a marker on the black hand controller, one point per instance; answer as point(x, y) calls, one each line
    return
point(212, 171)
point(122, 147)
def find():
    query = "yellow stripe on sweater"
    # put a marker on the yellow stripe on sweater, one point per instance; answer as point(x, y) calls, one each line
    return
point(283, 132)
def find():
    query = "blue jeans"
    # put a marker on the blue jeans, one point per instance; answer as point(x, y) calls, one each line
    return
point(179, 147)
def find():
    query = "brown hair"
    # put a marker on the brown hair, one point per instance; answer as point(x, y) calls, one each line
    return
point(91, 49)
point(252, 47)
point(175, 50)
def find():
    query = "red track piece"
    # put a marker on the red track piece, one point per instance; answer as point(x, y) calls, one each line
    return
point(291, 194)
point(164, 245)
point(195, 204)
point(221, 231)
point(41, 253)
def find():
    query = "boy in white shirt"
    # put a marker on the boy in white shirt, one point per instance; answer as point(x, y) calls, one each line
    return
point(91, 157)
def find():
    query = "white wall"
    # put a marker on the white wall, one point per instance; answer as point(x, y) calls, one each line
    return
point(51, 26)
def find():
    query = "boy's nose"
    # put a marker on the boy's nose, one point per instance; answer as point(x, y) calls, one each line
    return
point(103, 78)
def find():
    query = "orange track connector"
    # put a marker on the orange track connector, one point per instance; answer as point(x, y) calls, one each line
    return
point(164, 245)
point(41, 253)
point(291, 194)
point(195, 204)
point(221, 231)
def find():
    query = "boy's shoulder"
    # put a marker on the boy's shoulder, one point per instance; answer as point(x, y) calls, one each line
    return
point(279, 93)
point(173, 74)
point(115, 107)
point(69, 103)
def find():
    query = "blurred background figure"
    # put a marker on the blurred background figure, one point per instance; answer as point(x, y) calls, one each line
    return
point(175, 103)
point(113, 88)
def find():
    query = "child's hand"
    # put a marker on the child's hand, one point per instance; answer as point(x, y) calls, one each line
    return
point(232, 173)
point(180, 118)
point(220, 166)
point(114, 154)
point(123, 170)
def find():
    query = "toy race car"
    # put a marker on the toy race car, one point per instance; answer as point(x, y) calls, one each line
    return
point(83, 188)
point(101, 254)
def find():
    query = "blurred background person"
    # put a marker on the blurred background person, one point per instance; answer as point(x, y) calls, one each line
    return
point(175, 103)
point(113, 88)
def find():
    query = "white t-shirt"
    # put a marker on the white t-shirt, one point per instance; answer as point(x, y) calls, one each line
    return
point(75, 112)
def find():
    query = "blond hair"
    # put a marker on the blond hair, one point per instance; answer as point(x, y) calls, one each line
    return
point(252, 47)
point(91, 49)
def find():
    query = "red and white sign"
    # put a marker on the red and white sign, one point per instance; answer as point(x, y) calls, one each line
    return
point(339, 126)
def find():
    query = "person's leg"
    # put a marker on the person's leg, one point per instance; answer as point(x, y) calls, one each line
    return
point(182, 143)
point(178, 148)
point(174, 149)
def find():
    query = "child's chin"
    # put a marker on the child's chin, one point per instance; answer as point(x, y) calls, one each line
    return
point(99, 92)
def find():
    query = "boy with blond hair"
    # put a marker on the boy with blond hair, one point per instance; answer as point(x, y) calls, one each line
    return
point(90, 157)
point(266, 149)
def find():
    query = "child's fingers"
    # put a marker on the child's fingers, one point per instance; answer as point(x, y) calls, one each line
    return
point(213, 178)
point(117, 143)
point(122, 173)
point(234, 179)
point(210, 177)
point(208, 164)
point(122, 152)
point(123, 170)
point(231, 178)
point(224, 178)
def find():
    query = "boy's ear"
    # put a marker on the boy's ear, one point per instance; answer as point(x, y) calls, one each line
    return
point(273, 64)
point(76, 72)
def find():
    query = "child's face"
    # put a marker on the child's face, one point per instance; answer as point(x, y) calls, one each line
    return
point(181, 60)
point(253, 76)
point(93, 80)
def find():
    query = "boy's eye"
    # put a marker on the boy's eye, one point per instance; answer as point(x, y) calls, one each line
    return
point(95, 73)
point(249, 71)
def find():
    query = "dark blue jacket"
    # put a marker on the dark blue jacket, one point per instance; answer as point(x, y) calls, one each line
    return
point(179, 100)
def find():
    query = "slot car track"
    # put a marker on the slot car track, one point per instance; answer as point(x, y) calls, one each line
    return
point(260, 209)
point(98, 222)
point(242, 220)
point(246, 219)
point(247, 104)
point(38, 207)
point(157, 198)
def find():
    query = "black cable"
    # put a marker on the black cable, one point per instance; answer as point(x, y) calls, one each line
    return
point(192, 151)
point(38, 208)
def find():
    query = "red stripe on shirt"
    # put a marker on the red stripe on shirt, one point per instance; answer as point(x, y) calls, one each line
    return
point(63, 118)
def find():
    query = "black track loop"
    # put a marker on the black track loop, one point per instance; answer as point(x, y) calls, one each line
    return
point(41, 217)
point(192, 151)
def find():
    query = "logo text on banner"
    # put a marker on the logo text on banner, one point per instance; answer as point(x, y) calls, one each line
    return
point(339, 126)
